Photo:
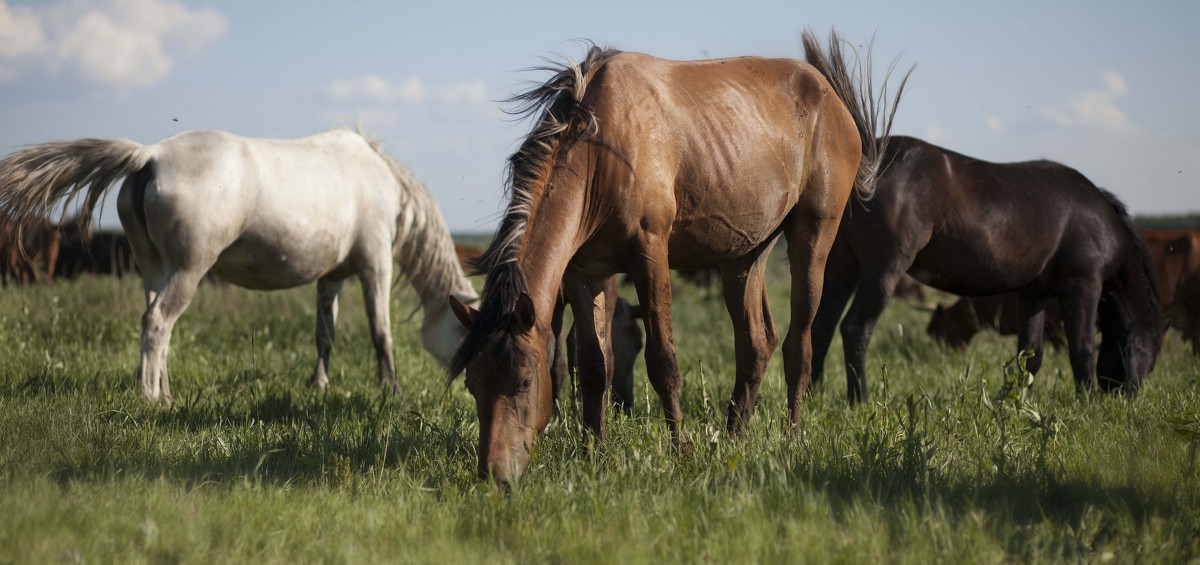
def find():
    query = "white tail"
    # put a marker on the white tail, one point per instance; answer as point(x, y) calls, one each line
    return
point(34, 180)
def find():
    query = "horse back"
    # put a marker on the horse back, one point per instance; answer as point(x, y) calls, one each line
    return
point(721, 149)
point(274, 213)
point(984, 227)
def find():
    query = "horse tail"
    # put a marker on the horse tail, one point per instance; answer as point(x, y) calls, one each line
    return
point(1130, 315)
point(854, 85)
point(34, 180)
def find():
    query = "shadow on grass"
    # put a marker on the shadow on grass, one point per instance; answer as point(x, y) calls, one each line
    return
point(275, 436)
point(1087, 508)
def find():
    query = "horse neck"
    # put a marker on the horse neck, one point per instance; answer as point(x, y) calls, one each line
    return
point(1130, 311)
point(425, 253)
point(553, 233)
point(1138, 288)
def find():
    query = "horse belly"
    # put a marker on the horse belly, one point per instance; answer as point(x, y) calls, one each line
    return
point(975, 270)
point(707, 240)
point(268, 264)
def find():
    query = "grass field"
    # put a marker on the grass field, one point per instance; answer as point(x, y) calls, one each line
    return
point(955, 459)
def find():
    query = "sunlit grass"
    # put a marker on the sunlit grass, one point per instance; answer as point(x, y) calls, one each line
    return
point(955, 458)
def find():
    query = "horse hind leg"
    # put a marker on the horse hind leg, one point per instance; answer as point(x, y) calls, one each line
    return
point(327, 311)
point(169, 302)
point(841, 278)
point(743, 283)
point(155, 278)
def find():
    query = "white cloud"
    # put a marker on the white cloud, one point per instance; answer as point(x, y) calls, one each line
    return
point(375, 91)
point(471, 95)
point(122, 43)
point(1094, 108)
point(935, 134)
point(367, 118)
point(994, 123)
point(374, 88)
point(21, 36)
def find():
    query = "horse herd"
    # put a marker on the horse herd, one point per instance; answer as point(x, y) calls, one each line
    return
point(635, 165)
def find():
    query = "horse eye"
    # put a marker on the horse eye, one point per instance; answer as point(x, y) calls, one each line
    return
point(525, 385)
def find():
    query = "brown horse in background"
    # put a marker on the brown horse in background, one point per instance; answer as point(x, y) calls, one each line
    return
point(30, 255)
point(1177, 255)
point(639, 165)
point(970, 227)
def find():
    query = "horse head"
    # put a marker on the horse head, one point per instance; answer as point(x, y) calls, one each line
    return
point(953, 326)
point(509, 377)
point(441, 332)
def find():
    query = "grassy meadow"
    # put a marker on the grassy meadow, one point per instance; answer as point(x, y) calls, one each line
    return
point(959, 457)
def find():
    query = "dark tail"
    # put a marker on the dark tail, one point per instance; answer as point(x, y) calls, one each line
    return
point(36, 179)
point(1130, 318)
point(855, 86)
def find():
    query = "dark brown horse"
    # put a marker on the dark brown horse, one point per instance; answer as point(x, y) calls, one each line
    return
point(640, 165)
point(956, 324)
point(973, 228)
point(99, 253)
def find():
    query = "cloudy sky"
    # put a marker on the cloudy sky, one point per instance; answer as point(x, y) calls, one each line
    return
point(1110, 88)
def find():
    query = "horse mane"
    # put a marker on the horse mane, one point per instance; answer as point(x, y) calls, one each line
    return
point(855, 86)
point(562, 121)
point(1153, 298)
point(1115, 314)
point(424, 249)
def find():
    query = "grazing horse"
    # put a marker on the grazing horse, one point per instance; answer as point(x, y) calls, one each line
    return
point(1177, 255)
point(626, 344)
point(971, 227)
point(639, 165)
point(95, 253)
point(29, 255)
point(956, 324)
point(263, 214)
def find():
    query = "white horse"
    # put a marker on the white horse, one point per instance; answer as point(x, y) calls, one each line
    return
point(263, 214)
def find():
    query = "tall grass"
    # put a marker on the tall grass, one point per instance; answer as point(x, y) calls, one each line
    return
point(962, 456)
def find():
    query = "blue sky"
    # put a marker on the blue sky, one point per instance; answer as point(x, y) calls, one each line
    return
point(1110, 88)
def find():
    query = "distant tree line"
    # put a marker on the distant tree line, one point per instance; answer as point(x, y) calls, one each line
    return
point(1172, 221)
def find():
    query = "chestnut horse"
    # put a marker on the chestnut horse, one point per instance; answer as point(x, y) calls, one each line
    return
point(971, 227)
point(639, 165)
point(263, 214)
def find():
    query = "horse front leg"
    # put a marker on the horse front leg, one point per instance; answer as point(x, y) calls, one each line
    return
point(743, 283)
point(1031, 335)
point(327, 311)
point(1079, 302)
point(653, 282)
point(558, 363)
point(377, 284)
point(592, 304)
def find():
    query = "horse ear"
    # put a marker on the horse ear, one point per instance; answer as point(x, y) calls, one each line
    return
point(524, 316)
point(466, 315)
